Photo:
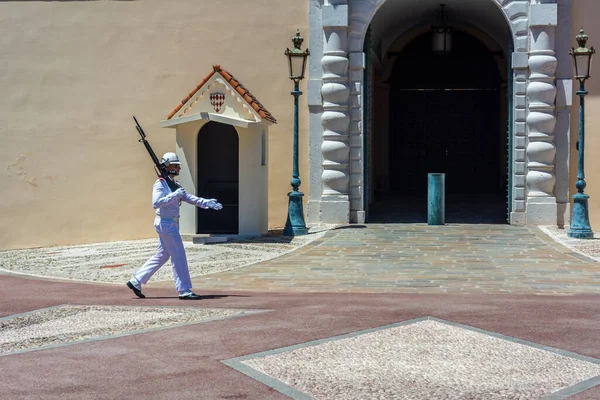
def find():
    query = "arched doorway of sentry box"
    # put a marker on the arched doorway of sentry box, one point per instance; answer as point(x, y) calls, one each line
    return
point(218, 177)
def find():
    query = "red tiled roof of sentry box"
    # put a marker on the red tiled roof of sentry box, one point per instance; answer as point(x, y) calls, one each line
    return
point(237, 86)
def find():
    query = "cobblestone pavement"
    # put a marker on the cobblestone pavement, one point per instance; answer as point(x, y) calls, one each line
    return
point(418, 258)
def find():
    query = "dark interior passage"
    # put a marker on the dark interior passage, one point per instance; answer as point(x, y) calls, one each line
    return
point(445, 116)
point(460, 208)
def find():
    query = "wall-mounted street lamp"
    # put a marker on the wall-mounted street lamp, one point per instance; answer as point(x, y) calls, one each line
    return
point(295, 224)
point(582, 67)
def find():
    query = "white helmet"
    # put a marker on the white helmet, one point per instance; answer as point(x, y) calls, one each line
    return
point(170, 158)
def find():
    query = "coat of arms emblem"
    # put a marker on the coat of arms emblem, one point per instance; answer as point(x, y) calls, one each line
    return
point(217, 100)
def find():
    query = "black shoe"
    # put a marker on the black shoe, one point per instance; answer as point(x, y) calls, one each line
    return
point(137, 291)
point(191, 296)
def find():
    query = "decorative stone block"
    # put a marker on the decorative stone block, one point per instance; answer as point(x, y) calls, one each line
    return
point(333, 64)
point(355, 180)
point(517, 9)
point(517, 218)
point(519, 60)
point(520, 87)
point(335, 182)
point(355, 114)
point(519, 180)
point(520, 74)
point(542, 40)
point(521, 43)
point(356, 192)
point(335, 210)
point(541, 211)
point(355, 85)
point(520, 168)
point(355, 77)
point(519, 205)
point(334, 15)
point(520, 28)
point(357, 60)
point(356, 140)
point(520, 129)
point(357, 217)
point(355, 153)
point(543, 15)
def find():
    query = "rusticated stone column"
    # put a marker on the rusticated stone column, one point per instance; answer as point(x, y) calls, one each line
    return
point(335, 120)
point(541, 119)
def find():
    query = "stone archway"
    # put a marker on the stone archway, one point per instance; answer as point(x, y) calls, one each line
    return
point(336, 85)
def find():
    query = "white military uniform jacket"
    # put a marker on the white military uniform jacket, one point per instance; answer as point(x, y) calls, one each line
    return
point(170, 245)
point(166, 202)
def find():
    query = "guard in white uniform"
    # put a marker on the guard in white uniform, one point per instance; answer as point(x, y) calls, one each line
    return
point(166, 204)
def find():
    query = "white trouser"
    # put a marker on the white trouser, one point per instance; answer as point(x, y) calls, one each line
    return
point(169, 245)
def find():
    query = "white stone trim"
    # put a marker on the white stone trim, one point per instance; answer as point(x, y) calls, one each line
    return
point(519, 168)
point(224, 119)
point(541, 116)
point(335, 119)
point(315, 103)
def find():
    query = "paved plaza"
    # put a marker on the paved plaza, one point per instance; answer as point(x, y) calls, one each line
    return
point(386, 311)
point(417, 258)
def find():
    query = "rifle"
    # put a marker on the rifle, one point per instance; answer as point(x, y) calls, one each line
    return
point(159, 168)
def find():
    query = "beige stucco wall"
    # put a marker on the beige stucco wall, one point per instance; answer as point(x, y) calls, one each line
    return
point(73, 74)
point(585, 14)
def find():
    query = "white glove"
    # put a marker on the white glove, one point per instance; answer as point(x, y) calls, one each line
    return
point(212, 203)
point(179, 193)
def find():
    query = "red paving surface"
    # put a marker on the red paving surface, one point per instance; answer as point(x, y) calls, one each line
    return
point(184, 362)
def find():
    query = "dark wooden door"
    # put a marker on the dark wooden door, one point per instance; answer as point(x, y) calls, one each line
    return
point(218, 177)
point(451, 131)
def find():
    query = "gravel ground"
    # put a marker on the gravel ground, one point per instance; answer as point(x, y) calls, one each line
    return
point(115, 262)
point(424, 360)
point(68, 324)
point(587, 247)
